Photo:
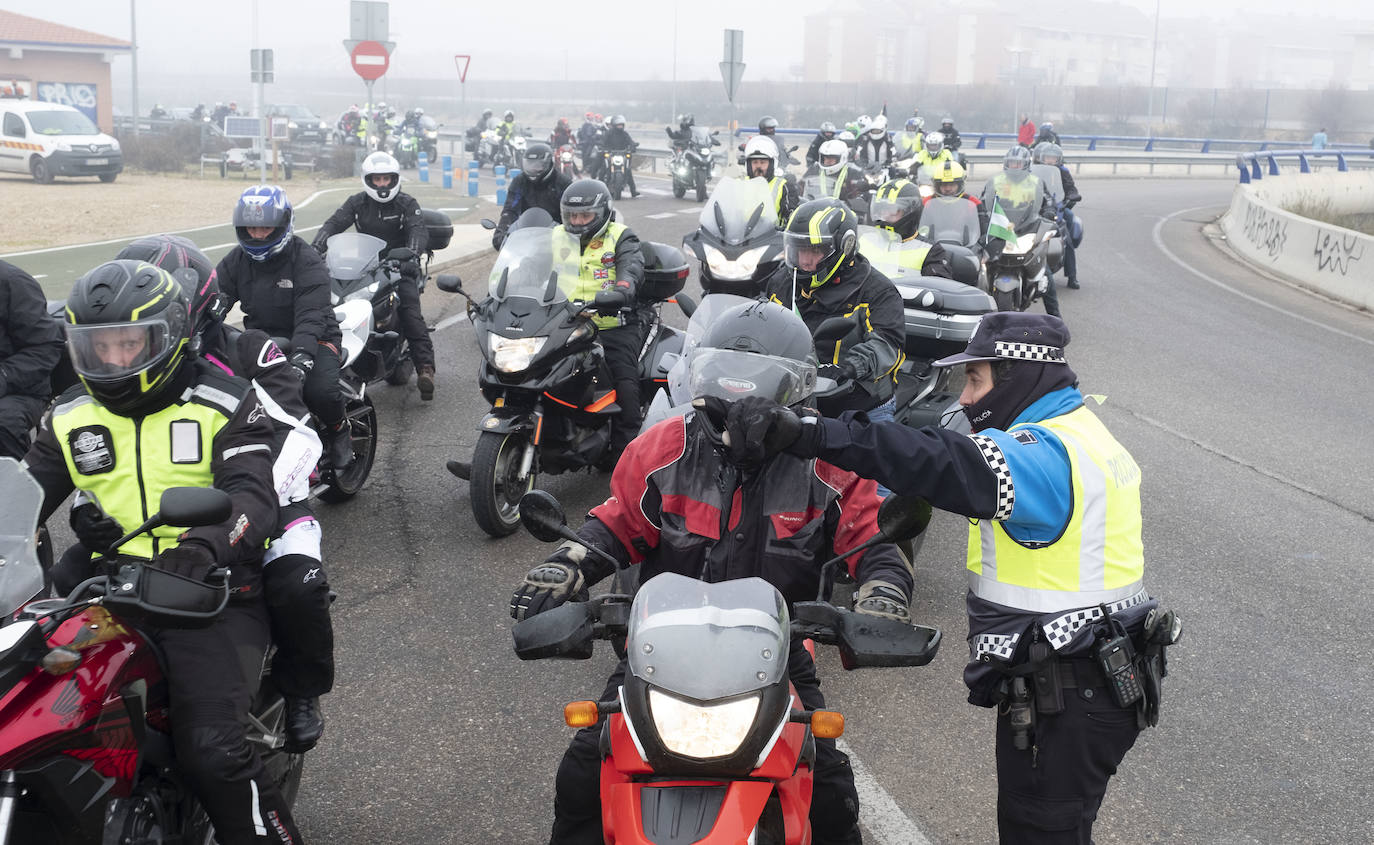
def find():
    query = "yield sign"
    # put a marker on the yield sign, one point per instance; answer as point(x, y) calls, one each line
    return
point(732, 73)
point(462, 62)
point(370, 60)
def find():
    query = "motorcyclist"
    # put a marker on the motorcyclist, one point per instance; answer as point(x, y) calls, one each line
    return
point(198, 113)
point(612, 267)
point(538, 185)
point(587, 138)
point(932, 153)
point(146, 416)
point(158, 112)
point(284, 290)
point(875, 147)
point(618, 139)
point(948, 180)
point(909, 142)
point(838, 177)
point(824, 275)
point(896, 208)
point(827, 132)
point(295, 586)
point(218, 114)
point(951, 135)
point(384, 211)
point(1047, 134)
point(351, 123)
point(761, 162)
point(1022, 195)
point(482, 125)
point(30, 347)
point(1052, 155)
point(681, 468)
point(506, 129)
point(562, 134)
point(682, 136)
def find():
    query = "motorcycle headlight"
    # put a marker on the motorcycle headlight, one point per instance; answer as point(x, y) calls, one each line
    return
point(431, 133)
point(513, 354)
point(702, 731)
point(739, 269)
point(617, 159)
point(363, 293)
point(291, 124)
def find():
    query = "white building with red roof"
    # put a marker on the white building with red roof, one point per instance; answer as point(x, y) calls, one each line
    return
point(61, 64)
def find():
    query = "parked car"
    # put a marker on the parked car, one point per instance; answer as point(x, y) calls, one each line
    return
point(305, 126)
point(48, 139)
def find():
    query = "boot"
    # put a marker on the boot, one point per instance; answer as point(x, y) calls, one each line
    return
point(1072, 284)
point(461, 469)
point(304, 724)
point(340, 446)
point(424, 379)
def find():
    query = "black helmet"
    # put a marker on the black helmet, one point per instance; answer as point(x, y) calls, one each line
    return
point(897, 206)
point(260, 207)
point(128, 332)
point(538, 162)
point(1017, 162)
point(174, 253)
point(828, 130)
point(486, 113)
point(582, 196)
point(827, 225)
point(754, 349)
point(685, 121)
point(768, 125)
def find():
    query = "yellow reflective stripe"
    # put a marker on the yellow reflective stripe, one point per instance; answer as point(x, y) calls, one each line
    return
point(814, 229)
point(168, 286)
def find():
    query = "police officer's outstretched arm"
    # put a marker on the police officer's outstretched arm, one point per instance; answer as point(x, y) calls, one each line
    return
point(341, 220)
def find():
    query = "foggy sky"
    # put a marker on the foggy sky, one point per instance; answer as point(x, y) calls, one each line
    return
point(532, 39)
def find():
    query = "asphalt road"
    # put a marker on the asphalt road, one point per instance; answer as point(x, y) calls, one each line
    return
point(1245, 402)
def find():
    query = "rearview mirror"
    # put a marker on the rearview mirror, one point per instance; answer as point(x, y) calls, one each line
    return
point(543, 516)
point(194, 506)
point(833, 329)
point(488, 224)
point(400, 253)
point(903, 517)
point(449, 282)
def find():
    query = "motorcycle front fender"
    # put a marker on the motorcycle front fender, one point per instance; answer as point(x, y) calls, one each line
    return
point(701, 812)
point(499, 421)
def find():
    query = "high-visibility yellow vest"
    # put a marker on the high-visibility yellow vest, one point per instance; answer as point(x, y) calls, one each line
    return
point(886, 253)
point(596, 270)
point(1018, 192)
point(1097, 559)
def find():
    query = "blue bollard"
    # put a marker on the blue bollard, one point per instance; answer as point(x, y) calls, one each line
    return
point(500, 171)
point(423, 166)
point(473, 171)
point(447, 162)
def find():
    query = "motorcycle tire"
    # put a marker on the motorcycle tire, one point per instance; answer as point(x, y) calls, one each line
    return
point(617, 186)
point(494, 489)
point(679, 190)
point(342, 486)
point(1005, 299)
point(701, 186)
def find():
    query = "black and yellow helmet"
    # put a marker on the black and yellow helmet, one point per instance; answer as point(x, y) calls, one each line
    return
point(129, 331)
point(897, 206)
point(824, 226)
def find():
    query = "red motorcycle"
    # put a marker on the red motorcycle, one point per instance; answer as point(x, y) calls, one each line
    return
point(566, 163)
point(707, 741)
point(85, 739)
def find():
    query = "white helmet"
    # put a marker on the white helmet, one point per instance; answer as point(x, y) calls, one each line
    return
point(381, 164)
point(834, 147)
point(864, 122)
point(935, 141)
point(762, 146)
point(878, 127)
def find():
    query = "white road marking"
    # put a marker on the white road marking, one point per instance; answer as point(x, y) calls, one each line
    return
point(660, 216)
point(878, 813)
point(41, 276)
point(236, 243)
point(693, 210)
point(1159, 244)
point(451, 321)
point(464, 208)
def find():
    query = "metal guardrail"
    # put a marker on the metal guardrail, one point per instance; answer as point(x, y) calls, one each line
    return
point(1249, 163)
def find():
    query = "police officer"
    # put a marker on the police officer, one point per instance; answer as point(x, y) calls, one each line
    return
point(681, 467)
point(149, 415)
point(283, 288)
point(30, 348)
point(539, 185)
point(384, 211)
point(761, 162)
point(612, 267)
point(896, 208)
point(1055, 562)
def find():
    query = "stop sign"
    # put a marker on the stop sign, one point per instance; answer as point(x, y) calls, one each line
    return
point(370, 60)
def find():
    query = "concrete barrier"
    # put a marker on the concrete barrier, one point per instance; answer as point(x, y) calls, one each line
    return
point(1335, 261)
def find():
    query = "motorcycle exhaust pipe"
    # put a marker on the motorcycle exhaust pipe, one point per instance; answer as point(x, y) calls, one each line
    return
point(9, 797)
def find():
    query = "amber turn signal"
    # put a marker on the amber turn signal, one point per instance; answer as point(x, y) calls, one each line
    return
point(581, 714)
point(827, 724)
point(60, 660)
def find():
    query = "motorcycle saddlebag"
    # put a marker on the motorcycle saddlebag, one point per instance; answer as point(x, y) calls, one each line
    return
point(941, 315)
point(440, 228)
point(1054, 256)
point(665, 272)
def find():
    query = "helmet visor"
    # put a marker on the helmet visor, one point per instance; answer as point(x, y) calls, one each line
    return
point(893, 209)
point(732, 374)
point(537, 165)
point(382, 181)
point(807, 254)
point(120, 349)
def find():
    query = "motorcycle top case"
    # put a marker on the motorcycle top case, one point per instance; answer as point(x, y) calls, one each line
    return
point(440, 228)
point(941, 314)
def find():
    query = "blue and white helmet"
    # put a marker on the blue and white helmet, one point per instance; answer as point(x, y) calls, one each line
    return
point(259, 207)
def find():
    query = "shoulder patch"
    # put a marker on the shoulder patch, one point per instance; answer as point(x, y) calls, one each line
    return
point(1025, 435)
point(92, 449)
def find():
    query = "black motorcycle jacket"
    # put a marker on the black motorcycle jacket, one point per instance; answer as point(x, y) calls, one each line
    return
point(952, 139)
point(1071, 195)
point(398, 222)
point(100, 448)
point(526, 193)
point(858, 290)
point(879, 152)
point(618, 139)
point(286, 296)
point(813, 152)
point(677, 505)
point(30, 340)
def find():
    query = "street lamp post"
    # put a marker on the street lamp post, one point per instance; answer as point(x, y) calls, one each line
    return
point(133, 57)
point(1016, 51)
point(1154, 52)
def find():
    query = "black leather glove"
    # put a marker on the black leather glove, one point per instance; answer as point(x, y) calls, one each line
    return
point(611, 300)
point(498, 237)
point(879, 598)
point(189, 560)
point(545, 587)
point(304, 362)
point(755, 429)
point(839, 372)
point(321, 246)
point(93, 528)
point(411, 269)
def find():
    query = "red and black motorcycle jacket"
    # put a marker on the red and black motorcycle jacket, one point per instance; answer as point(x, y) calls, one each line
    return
point(677, 505)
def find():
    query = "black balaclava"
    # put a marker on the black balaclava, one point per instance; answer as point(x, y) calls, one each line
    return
point(1014, 392)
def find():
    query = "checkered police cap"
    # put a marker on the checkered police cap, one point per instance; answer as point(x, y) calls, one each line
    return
point(1014, 336)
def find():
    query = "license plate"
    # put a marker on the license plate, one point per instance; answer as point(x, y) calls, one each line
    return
point(91, 162)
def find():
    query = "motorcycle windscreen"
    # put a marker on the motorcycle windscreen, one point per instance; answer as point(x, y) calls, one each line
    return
point(1053, 179)
point(708, 641)
point(541, 264)
point(740, 210)
point(701, 137)
point(712, 306)
point(21, 578)
point(950, 220)
point(1020, 200)
point(351, 255)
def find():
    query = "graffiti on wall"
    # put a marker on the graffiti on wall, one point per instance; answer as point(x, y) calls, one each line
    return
point(1266, 231)
point(78, 95)
point(1336, 251)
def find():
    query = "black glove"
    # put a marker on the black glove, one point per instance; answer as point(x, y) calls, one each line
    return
point(879, 598)
point(498, 237)
point(189, 560)
point(93, 528)
point(611, 300)
point(321, 246)
point(304, 362)
point(411, 269)
point(838, 372)
point(755, 429)
point(545, 587)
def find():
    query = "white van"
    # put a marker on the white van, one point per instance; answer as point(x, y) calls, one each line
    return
point(48, 139)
